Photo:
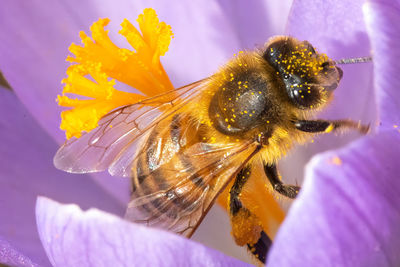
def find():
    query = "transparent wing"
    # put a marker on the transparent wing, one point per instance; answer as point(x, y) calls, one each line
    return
point(117, 138)
point(177, 194)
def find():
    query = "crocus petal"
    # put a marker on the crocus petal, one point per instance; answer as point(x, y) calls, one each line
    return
point(348, 211)
point(72, 237)
point(255, 21)
point(12, 257)
point(26, 170)
point(383, 18)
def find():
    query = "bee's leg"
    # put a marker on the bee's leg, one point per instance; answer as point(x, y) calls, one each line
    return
point(326, 126)
point(260, 249)
point(289, 191)
point(246, 227)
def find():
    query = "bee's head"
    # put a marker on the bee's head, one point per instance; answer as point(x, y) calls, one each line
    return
point(309, 77)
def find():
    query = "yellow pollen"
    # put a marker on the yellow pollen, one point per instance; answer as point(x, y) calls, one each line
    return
point(98, 62)
point(329, 128)
point(336, 161)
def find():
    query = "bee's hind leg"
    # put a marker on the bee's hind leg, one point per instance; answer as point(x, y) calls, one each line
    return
point(260, 249)
point(246, 227)
point(271, 172)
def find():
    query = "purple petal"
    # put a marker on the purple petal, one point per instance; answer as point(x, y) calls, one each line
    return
point(254, 22)
point(12, 257)
point(346, 214)
point(383, 18)
point(348, 211)
point(26, 171)
point(33, 45)
point(72, 237)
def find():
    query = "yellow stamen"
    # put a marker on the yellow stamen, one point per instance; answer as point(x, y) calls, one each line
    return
point(99, 59)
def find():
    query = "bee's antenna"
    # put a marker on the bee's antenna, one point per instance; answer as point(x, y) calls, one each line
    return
point(353, 60)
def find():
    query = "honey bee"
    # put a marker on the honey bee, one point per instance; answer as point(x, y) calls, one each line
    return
point(182, 148)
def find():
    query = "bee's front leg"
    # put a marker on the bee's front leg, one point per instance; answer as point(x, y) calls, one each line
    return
point(318, 126)
point(271, 172)
point(246, 226)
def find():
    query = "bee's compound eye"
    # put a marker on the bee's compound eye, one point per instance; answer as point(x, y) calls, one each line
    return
point(286, 76)
point(275, 51)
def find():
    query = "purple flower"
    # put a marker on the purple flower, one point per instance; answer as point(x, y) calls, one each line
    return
point(346, 214)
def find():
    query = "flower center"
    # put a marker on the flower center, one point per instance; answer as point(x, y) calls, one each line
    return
point(99, 62)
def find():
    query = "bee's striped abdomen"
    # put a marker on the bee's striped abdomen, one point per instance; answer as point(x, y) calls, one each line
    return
point(164, 164)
